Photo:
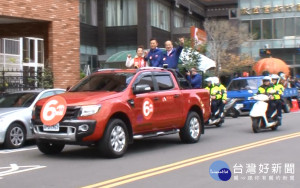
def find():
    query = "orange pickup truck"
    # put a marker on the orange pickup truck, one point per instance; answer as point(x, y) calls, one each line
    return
point(112, 107)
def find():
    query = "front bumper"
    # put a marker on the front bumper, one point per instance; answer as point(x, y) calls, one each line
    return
point(68, 130)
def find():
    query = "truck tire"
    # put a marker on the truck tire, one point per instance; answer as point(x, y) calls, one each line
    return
point(191, 131)
point(114, 142)
point(49, 148)
point(15, 136)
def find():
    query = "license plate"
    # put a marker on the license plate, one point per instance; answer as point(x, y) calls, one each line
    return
point(54, 128)
point(239, 106)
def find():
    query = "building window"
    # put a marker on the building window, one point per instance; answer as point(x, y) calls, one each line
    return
point(289, 27)
point(121, 12)
point(160, 15)
point(246, 26)
point(256, 29)
point(33, 50)
point(82, 10)
point(88, 12)
point(278, 29)
point(298, 26)
point(233, 13)
point(267, 29)
point(192, 22)
point(178, 19)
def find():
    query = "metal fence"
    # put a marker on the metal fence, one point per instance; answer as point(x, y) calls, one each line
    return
point(11, 81)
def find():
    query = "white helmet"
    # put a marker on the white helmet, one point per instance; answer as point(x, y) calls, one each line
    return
point(282, 76)
point(215, 80)
point(267, 78)
point(275, 76)
point(209, 79)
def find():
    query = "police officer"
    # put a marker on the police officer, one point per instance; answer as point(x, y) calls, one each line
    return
point(277, 95)
point(215, 94)
point(267, 89)
point(223, 91)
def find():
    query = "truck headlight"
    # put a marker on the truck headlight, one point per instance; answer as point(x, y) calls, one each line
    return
point(89, 110)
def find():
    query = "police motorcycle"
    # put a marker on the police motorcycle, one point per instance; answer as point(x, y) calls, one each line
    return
point(259, 117)
point(219, 116)
point(231, 108)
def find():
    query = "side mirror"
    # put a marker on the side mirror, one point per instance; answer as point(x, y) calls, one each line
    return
point(142, 88)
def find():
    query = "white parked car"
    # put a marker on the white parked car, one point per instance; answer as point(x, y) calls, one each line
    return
point(15, 115)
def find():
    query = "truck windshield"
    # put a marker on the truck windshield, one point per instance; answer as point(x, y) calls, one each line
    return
point(244, 84)
point(104, 82)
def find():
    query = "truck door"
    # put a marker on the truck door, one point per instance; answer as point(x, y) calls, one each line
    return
point(169, 101)
point(146, 105)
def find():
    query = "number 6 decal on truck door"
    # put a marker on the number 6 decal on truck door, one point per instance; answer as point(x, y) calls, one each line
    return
point(53, 110)
point(148, 108)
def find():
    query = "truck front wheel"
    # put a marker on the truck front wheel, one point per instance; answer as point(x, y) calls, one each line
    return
point(115, 140)
point(49, 148)
point(191, 131)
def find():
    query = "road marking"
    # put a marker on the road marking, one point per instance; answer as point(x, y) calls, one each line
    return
point(192, 161)
point(15, 169)
point(16, 150)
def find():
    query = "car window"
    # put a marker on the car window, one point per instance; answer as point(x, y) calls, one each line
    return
point(47, 94)
point(59, 91)
point(164, 82)
point(146, 80)
point(182, 81)
point(17, 100)
point(243, 84)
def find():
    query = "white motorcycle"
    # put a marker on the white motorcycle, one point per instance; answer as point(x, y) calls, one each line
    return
point(258, 115)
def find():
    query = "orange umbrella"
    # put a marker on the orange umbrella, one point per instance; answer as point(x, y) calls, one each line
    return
point(272, 65)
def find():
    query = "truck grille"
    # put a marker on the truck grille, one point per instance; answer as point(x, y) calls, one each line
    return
point(71, 113)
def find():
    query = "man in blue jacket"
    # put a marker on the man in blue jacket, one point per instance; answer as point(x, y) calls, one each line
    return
point(171, 56)
point(155, 55)
point(195, 78)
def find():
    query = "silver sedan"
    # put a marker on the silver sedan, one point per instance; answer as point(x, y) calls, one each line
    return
point(15, 115)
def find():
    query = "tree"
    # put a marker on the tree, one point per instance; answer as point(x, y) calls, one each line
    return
point(191, 54)
point(236, 63)
point(223, 38)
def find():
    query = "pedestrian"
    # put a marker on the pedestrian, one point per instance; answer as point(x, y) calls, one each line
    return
point(138, 61)
point(154, 55)
point(171, 56)
point(194, 77)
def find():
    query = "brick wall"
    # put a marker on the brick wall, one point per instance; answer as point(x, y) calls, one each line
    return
point(57, 21)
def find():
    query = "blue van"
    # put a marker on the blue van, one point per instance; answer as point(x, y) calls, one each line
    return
point(243, 89)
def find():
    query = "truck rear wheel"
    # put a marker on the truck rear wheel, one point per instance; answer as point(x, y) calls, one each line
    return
point(49, 148)
point(115, 140)
point(191, 131)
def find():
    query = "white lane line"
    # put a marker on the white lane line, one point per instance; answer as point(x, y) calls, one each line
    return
point(16, 150)
point(15, 169)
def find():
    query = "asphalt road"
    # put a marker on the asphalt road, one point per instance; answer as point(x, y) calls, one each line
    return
point(267, 159)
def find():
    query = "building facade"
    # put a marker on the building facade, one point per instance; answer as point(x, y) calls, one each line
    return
point(111, 26)
point(47, 31)
point(275, 25)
